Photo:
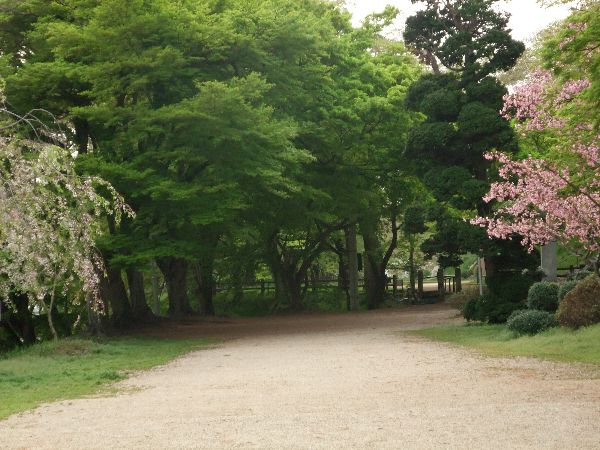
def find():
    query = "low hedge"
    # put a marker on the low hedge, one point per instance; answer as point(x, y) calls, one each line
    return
point(530, 321)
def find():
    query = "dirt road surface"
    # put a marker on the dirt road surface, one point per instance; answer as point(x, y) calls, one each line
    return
point(349, 381)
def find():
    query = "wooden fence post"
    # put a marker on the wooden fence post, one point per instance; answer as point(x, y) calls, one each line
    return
point(395, 284)
point(420, 284)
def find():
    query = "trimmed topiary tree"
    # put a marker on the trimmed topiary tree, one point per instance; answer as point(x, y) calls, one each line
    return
point(543, 296)
point(530, 321)
point(581, 306)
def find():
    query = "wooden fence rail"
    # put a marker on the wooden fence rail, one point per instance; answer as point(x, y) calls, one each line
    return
point(426, 286)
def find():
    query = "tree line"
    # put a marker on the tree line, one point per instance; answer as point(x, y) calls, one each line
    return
point(260, 133)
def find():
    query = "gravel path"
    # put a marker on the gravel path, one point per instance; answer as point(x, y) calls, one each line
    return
point(328, 382)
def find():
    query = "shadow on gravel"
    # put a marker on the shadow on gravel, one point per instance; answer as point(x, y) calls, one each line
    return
point(411, 317)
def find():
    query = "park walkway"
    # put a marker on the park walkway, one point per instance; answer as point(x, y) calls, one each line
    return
point(328, 381)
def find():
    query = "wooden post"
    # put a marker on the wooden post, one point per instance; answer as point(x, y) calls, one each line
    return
point(395, 284)
point(262, 287)
point(420, 284)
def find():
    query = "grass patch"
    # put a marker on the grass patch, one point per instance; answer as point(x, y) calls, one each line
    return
point(74, 368)
point(558, 344)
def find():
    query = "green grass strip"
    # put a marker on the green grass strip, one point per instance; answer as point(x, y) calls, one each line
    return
point(73, 368)
point(557, 344)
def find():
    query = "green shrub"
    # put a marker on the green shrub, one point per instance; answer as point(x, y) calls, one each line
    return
point(530, 321)
point(512, 286)
point(489, 308)
point(581, 306)
point(581, 275)
point(565, 288)
point(543, 296)
point(470, 310)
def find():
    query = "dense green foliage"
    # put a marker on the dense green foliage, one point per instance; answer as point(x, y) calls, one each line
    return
point(490, 308)
point(543, 296)
point(530, 321)
point(581, 306)
point(462, 123)
point(244, 135)
point(269, 140)
point(73, 368)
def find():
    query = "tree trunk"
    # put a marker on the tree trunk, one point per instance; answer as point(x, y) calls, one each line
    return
point(293, 285)
point(458, 279)
point(205, 285)
point(139, 305)
point(411, 268)
point(112, 288)
point(174, 271)
point(281, 295)
point(112, 291)
point(95, 323)
point(375, 280)
point(19, 323)
point(352, 251)
point(441, 283)
point(155, 293)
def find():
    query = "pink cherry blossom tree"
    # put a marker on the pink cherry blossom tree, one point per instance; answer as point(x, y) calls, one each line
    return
point(553, 193)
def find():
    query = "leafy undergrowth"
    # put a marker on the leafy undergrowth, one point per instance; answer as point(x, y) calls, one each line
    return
point(74, 368)
point(558, 344)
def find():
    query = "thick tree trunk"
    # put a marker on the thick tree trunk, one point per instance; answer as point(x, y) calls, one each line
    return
point(112, 289)
point(293, 285)
point(281, 294)
point(95, 315)
point(375, 280)
point(174, 271)
point(490, 267)
point(113, 293)
point(352, 251)
point(205, 285)
point(139, 305)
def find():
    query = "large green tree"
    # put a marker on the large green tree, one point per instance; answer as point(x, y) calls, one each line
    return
point(470, 40)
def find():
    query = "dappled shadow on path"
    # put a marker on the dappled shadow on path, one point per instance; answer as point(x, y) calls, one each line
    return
point(411, 317)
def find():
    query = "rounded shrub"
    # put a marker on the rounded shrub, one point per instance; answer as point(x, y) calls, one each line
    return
point(543, 296)
point(565, 288)
point(489, 308)
point(530, 321)
point(470, 310)
point(581, 306)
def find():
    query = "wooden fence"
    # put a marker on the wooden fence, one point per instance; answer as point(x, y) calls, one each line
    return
point(426, 286)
